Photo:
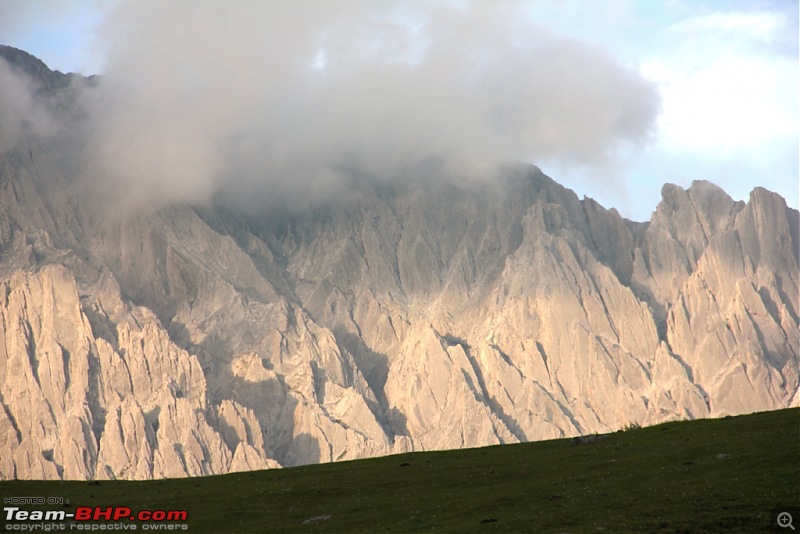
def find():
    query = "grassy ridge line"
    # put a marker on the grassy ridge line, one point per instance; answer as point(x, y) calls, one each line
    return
point(698, 476)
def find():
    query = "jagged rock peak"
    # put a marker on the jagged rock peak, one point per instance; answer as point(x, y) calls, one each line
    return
point(184, 341)
point(45, 79)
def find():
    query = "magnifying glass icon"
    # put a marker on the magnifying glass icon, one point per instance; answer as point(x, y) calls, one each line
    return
point(785, 520)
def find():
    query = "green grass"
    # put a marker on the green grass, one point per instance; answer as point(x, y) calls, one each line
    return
point(713, 475)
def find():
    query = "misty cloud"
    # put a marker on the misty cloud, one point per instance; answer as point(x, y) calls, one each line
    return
point(291, 97)
point(21, 114)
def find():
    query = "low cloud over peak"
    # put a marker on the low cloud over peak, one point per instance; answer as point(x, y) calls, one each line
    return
point(286, 97)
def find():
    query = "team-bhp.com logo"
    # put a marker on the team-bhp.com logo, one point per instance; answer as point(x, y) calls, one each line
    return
point(116, 513)
point(94, 518)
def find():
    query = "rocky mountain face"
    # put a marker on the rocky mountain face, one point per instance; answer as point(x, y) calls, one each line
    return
point(193, 340)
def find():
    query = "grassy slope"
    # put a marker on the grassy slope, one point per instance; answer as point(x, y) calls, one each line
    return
point(698, 476)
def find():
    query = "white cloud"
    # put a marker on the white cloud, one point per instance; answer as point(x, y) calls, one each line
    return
point(21, 114)
point(730, 103)
point(285, 96)
point(764, 26)
point(274, 85)
point(722, 87)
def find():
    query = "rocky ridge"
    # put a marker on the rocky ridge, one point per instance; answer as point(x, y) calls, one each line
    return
point(194, 340)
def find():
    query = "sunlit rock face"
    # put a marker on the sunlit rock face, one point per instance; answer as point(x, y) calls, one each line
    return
point(185, 340)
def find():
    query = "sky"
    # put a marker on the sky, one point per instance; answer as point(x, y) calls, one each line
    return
point(612, 99)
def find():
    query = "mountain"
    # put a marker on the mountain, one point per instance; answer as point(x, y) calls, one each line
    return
point(189, 340)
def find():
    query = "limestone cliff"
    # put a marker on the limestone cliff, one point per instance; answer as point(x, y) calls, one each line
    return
point(195, 340)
